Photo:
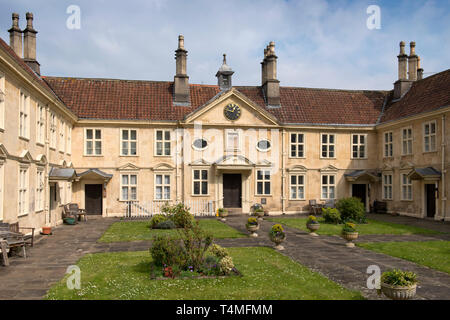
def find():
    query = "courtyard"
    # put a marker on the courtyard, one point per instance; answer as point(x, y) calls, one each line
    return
point(114, 260)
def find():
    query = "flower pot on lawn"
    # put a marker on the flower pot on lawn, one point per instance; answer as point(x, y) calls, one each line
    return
point(398, 292)
point(46, 230)
point(313, 227)
point(277, 236)
point(259, 214)
point(252, 229)
point(350, 237)
point(223, 213)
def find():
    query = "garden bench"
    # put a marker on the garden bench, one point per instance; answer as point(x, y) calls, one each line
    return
point(10, 240)
point(28, 237)
point(81, 213)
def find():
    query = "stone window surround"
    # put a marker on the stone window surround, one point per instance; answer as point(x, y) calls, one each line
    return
point(358, 145)
point(408, 185)
point(129, 141)
point(200, 180)
point(407, 140)
point(389, 185)
point(23, 186)
point(264, 180)
point(328, 144)
point(297, 186)
point(93, 140)
point(163, 185)
point(163, 142)
point(297, 144)
point(24, 114)
point(430, 135)
point(388, 150)
point(129, 186)
point(328, 185)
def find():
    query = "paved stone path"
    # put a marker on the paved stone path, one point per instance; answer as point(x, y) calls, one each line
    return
point(47, 262)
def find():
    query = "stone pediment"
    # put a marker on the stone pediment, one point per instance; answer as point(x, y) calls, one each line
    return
point(128, 167)
point(200, 162)
point(297, 168)
point(3, 152)
point(406, 165)
point(41, 160)
point(163, 167)
point(329, 168)
point(25, 156)
point(234, 160)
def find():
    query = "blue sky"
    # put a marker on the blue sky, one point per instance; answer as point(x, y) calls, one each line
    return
point(318, 43)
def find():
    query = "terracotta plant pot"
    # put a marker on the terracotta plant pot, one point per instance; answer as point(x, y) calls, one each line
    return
point(398, 292)
point(46, 230)
point(350, 236)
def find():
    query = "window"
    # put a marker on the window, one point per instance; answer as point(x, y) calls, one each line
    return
point(128, 187)
point(327, 145)
point(406, 141)
point(69, 138)
point(163, 142)
point(388, 145)
point(387, 186)
point(23, 115)
point(263, 182)
point(2, 102)
point(263, 145)
point(200, 180)
point(2, 185)
point(52, 130)
point(406, 187)
point(297, 187)
point(128, 143)
point(297, 145)
point(93, 142)
point(40, 124)
point(233, 140)
point(23, 191)
point(200, 144)
point(328, 186)
point(359, 146)
point(429, 136)
point(162, 187)
point(62, 141)
point(39, 201)
point(69, 192)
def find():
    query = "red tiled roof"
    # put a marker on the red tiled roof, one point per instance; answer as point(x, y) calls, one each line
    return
point(152, 100)
point(4, 46)
point(425, 95)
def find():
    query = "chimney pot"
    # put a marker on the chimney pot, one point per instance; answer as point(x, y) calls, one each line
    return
point(271, 85)
point(181, 79)
point(412, 62)
point(15, 35)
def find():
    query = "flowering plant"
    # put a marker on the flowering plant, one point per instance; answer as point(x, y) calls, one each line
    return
point(349, 227)
point(252, 222)
point(312, 220)
point(277, 231)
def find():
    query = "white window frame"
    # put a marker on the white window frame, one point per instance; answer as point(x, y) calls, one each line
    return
point(163, 185)
point(163, 143)
point(24, 115)
point(53, 125)
point(236, 132)
point(2, 187)
point(200, 181)
point(406, 187)
point(23, 187)
point(328, 144)
point(430, 136)
point(129, 141)
point(94, 140)
point(388, 138)
point(263, 181)
point(40, 187)
point(40, 124)
point(328, 186)
point(129, 186)
point(387, 181)
point(62, 141)
point(297, 144)
point(2, 101)
point(407, 141)
point(263, 150)
point(298, 186)
point(358, 145)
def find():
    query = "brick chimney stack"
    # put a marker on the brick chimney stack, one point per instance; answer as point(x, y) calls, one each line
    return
point(29, 45)
point(181, 79)
point(402, 85)
point(412, 62)
point(419, 70)
point(15, 35)
point(271, 85)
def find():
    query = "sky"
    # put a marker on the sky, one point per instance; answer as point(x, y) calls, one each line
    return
point(319, 43)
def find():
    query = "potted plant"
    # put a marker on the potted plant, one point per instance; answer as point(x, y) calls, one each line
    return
point(46, 230)
point(313, 225)
point(277, 236)
point(259, 212)
point(349, 233)
point(398, 284)
point(222, 213)
point(252, 226)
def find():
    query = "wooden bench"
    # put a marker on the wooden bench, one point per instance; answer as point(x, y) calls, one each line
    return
point(10, 240)
point(81, 213)
point(28, 237)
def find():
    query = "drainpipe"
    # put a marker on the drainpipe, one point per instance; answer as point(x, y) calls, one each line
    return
point(443, 195)
point(283, 174)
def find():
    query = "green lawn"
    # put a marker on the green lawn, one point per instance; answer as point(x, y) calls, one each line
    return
point(266, 275)
point(372, 227)
point(139, 230)
point(433, 254)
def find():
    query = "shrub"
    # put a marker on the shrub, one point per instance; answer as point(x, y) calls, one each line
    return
point(211, 266)
point(349, 227)
point(331, 215)
point(218, 251)
point(167, 224)
point(226, 265)
point(351, 209)
point(179, 214)
point(157, 219)
point(167, 251)
point(399, 278)
point(312, 220)
point(196, 242)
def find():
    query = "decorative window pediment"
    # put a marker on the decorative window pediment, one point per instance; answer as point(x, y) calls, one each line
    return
point(200, 163)
point(3, 152)
point(329, 168)
point(163, 167)
point(406, 165)
point(298, 168)
point(234, 160)
point(26, 157)
point(128, 167)
point(41, 160)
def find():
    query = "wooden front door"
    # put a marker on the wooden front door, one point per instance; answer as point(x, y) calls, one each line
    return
point(232, 191)
point(359, 191)
point(430, 194)
point(93, 198)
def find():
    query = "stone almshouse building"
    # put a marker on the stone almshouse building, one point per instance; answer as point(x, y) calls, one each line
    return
point(104, 142)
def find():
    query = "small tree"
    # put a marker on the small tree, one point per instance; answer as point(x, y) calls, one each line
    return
point(351, 209)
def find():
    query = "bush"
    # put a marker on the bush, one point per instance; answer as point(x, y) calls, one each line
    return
point(179, 214)
point(211, 266)
point(157, 219)
point(167, 251)
point(331, 215)
point(218, 251)
point(168, 224)
point(399, 278)
point(226, 265)
point(351, 209)
point(196, 242)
